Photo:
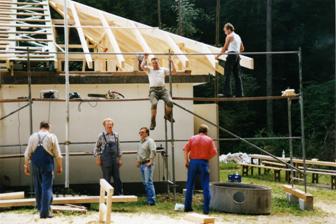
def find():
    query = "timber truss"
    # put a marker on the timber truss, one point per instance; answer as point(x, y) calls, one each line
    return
point(25, 24)
point(105, 43)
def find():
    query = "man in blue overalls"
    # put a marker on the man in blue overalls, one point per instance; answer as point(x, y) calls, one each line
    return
point(108, 155)
point(42, 148)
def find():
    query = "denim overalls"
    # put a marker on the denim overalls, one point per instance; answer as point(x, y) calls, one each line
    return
point(110, 166)
point(43, 168)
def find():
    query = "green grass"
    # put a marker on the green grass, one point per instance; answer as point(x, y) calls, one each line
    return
point(165, 205)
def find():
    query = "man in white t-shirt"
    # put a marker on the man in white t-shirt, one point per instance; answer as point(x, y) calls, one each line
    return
point(157, 89)
point(233, 46)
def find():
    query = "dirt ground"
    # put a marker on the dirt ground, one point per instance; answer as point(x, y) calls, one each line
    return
point(27, 217)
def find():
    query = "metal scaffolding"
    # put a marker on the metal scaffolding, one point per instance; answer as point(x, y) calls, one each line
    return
point(172, 140)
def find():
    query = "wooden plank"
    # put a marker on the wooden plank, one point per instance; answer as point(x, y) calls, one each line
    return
point(19, 8)
point(66, 208)
point(24, 20)
point(25, 39)
point(22, 14)
point(12, 195)
point(312, 169)
point(105, 185)
point(297, 161)
point(223, 99)
point(298, 193)
point(81, 34)
point(67, 200)
point(22, 3)
point(25, 32)
point(199, 218)
point(273, 164)
point(25, 25)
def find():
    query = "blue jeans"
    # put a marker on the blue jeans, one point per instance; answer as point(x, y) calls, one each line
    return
point(147, 179)
point(43, 180)
point(198, 167)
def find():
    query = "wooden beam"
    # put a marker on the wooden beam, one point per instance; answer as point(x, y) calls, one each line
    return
point(81, 34)
point(141, 40)
point(113, 41)
point(67, 208)
point(21, 8)
point(22, 3)
point(175, 48)
point(13, 195)
point(200, 219)
point(298, 193)
point(66, 200)
point(211, 58)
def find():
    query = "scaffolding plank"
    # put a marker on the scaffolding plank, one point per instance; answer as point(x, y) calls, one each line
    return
point(245, 98)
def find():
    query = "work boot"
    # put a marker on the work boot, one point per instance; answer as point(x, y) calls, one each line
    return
point(169, 118)
point(152, 125)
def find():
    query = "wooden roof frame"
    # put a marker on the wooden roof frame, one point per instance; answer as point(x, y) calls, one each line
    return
point(141, 33)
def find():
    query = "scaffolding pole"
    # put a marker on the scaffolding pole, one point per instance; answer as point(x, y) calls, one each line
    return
point(303, 143)
point(290, 140)
point(67, 87)
point(172, 126)
point(30, 93)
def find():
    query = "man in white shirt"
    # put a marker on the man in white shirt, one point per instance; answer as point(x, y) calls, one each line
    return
point(42, 148)
point(233, 46)
point(157, 90)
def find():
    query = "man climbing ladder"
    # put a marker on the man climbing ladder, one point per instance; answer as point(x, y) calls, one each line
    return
point(157, 89)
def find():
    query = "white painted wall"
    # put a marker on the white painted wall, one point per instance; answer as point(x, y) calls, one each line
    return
point(85, 125)
point(209, 112)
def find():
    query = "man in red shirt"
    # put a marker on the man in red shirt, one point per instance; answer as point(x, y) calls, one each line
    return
point(197, 152)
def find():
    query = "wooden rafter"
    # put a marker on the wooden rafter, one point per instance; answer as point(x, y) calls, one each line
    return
point(141, 40)
point(113, 41)
point(174, 47)
point(81, 35)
